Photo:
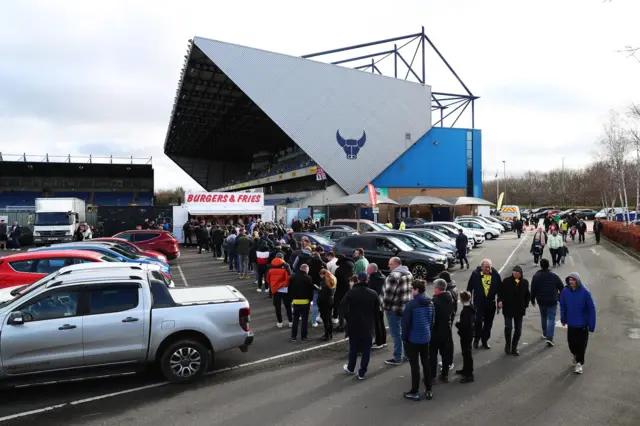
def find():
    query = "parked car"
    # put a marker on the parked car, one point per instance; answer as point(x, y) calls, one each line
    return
point(28, 267)
point(481, 220)
point(474, 235)
point(379, 248)
point(87, 321)
point(316, 239)
point(109, 249)
point(553, 212)
point(488, 231)
point(436, 238)
point(419, 243)
point(587, 214)
point(334, 235)
point(360, 225)
point(153, 239)
point(540, 212)
point(132, 248)
point(450, 233)
point(332, 227)
point(412, 222)
point(506, 225)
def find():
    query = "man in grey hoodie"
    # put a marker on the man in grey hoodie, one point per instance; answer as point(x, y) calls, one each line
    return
point(396, 293)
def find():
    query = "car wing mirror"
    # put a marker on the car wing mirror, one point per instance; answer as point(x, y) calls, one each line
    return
point(16, 318)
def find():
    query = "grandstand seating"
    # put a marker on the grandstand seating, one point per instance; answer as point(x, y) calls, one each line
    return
point(300, 161)
point(28, 199)
point(112, 198)
point(10, 199)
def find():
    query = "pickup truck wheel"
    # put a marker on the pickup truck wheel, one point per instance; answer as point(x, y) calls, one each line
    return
point(184, 361)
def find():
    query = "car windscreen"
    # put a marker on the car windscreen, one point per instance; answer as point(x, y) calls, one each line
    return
point(27, 289)
point(52, 219)
point(420, 242)
point(124, 253)
point(322, 240)
point(379, 227)
point(127, 249)
point(400, 244)
point(108, 258)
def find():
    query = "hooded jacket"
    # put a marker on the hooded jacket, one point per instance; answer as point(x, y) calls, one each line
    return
point(376, 282)
point(360, 307)
point(243, 245)
point(514, 296)
point(278, 275)
point(577, 308)
point(452, 287)
point(397, 290)
point(301, 257)
point(475, 287)
point(417, 320)
point(343, 274)
point(545, 288)
point(327, 289)
point(315, 266)
point(262, 252)
point(443, 308)
point(361, 265)
point(461, 243)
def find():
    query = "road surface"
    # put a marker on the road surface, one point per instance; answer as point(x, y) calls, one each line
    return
point(305, 385)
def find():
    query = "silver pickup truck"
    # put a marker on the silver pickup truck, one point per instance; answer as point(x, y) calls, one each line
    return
point(95, 320)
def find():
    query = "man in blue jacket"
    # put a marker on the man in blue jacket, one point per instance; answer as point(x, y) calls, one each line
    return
point(416, 335)
point(483, 285)
point(578, 313)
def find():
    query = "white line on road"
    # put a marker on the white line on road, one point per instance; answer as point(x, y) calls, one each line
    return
point(594, 251)
point(571, 259)
point(512, 253)
point(184, 280)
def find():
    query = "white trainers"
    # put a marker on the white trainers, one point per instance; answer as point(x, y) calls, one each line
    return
point(314, 325)
point(319, 320)
point(335, 321)
point(266, 290)
point(290, 325)
point(345, 367)
point(578, 368)
point(279, 325)
point(259, 290)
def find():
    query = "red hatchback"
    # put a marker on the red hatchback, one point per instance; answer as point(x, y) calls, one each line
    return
point(153, 239)
point(132, 248)
point(29, 267)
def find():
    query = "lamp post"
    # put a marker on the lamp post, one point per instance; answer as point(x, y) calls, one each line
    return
point(563, 181)
point(504, 163)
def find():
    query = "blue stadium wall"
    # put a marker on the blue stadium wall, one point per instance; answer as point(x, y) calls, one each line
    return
point(439, 160)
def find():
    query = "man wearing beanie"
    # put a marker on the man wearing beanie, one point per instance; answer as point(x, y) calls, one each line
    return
point(441, 332)
point(513, 299)
point(360, 306)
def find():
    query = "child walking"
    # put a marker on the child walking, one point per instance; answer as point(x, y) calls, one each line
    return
point(465, 331)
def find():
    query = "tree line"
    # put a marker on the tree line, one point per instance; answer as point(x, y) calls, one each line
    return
point(611, 180)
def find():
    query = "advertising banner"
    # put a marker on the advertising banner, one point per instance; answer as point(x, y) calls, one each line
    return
point(223, 203)
point(373, 199)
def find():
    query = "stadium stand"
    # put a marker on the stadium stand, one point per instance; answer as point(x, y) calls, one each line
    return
point(106, 181)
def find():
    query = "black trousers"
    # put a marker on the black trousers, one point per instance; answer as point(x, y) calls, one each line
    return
point(300, 315)
point(467, 355)
point(262, 274)
point(204, 244)
point(187, 238)
point(555, 256)
point(484, 321)
point(449, 360)
point(463, 258)
point(597, 237)
point(419, 354)
point(439, 346)
point(278, 300)
point(513, 325)
point(578, 339)
point(519, 232)
point(325, 314)
point(217, 250)
point(581, 237)
point(380, 329)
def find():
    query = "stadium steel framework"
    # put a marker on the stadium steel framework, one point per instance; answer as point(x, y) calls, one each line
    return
point(440, 101)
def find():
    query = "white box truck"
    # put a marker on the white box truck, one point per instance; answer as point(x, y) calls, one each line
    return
point(57, 219)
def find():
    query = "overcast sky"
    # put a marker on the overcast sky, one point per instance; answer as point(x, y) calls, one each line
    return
point(99, 78)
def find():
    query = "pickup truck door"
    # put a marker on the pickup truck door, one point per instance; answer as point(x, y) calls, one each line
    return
point(114, 325)
point(50, 337)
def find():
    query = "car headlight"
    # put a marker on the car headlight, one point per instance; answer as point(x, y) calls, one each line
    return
point(163, 258)
point(36, 234)
point(68, 234)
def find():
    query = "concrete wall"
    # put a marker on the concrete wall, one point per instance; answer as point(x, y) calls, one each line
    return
point(321, 198)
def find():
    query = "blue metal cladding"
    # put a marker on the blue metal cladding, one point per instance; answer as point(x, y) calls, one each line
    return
point(437, 160)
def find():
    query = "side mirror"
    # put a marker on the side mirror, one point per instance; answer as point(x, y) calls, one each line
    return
point(16, 318)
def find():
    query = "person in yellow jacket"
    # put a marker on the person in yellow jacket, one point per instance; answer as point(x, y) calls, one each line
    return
point(564, 228)
point(402, 226)
point(389, 225)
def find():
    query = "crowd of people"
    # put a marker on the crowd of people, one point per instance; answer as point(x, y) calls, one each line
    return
point(348, 294)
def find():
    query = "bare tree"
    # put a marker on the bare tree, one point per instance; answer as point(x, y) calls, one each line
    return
point(634, 134)
point(616, 144)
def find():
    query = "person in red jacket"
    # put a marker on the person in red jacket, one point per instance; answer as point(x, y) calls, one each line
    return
point(278, 279)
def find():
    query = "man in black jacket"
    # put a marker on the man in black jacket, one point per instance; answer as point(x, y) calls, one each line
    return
point(217, 237)
point(376, 283)
point(360, 306)
point(441, 330)
point(518, 225)
point(483, 285)
point(597, 229)
point(513, 298)
point(203, 238)
point(301, 295)
point(465, 331)
point(452, 287)
point(343, 275)
point(545, 290)
point(461, 245)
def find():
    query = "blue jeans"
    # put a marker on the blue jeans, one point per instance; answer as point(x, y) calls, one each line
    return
point(395, 328)
point(243, 264)
point(359, 345)
point(233, 261)
point(314, 311)
point(548, 320)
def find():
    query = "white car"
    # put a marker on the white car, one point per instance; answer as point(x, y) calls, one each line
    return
point(605, 213)
point(488, 231)
point(477, 237)
point(479, 219)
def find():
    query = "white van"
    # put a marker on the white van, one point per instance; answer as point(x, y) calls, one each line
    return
point(510, 213)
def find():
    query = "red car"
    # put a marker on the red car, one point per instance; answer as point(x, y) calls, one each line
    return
point(29, 267)
point(153, 239)
point(132, 248)
point(552, 213)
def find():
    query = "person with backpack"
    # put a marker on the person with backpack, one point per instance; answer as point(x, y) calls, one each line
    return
point(537, 245)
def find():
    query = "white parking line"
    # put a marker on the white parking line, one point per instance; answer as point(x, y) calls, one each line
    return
point(184, 280)
point(156, 385)
point(512, 253)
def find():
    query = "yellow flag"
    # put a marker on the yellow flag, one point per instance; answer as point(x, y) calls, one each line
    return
point(500, 201)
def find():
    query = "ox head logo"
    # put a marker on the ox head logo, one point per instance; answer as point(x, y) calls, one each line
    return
point(351, 146)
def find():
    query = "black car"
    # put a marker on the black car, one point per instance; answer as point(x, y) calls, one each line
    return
point(540, 213)
point(419, 243)
point(586, 214)
point(379, 248)
point(336, 234)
